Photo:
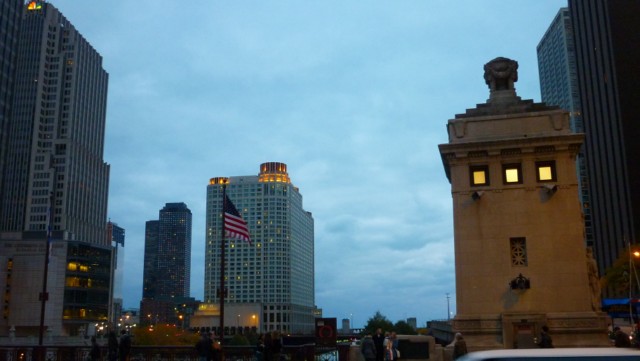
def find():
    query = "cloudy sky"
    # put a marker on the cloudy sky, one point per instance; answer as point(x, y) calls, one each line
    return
point(352, 95)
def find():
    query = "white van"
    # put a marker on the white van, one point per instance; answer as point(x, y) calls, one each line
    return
point(564, 354)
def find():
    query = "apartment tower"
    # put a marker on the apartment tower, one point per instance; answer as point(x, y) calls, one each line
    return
point(276, 270)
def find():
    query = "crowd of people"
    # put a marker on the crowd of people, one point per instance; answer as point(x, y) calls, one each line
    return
point(380, 347)
point(117, 349)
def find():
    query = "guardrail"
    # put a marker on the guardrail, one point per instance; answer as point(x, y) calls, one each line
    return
point(307, 352)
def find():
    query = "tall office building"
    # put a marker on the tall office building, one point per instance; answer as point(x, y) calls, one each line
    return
point(277, 269)
point(150, 259)
point(559, 86)
point(56, 131)
point(174, 251)
point(116, 236)
point(10, 16)
point(53, 177)
point(167, 263)
point(607, 34)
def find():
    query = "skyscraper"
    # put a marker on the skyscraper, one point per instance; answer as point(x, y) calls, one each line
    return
point(53, 176)
point(150, 259)
point(174, 251)
point(607, 34)
point(56, 131)
point(116, 236)
point(559, 86)
point(167, 263)
point(10, 16)
point(277, 269)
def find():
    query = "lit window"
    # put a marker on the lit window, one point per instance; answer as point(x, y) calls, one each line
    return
point(479, 175)
point(546, 171)
point(512, 173)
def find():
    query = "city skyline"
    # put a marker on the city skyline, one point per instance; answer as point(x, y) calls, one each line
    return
point(354, 98)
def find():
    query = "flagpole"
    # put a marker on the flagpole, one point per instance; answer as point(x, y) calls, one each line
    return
point(222, 288)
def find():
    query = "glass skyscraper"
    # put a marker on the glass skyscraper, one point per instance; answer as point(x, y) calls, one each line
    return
point(606, 35)
point(559, 86)
point(277, 269)
point(166, 279)
point(167, 259)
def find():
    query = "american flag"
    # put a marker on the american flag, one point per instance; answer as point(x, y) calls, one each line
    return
point(234, 226)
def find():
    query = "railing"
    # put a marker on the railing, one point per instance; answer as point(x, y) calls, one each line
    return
point(307, 352)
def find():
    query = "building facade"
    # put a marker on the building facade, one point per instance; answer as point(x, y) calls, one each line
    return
point(56, 132)
point(559, 87)
point(518, 228)
point(606, 35)
point(277, 269)
point(78, 284)
point(167, 263)
point(54, 181)
point(115, 237)
point(10, 17)
point(150, 259)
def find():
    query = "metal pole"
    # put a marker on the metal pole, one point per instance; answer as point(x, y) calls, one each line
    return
point(222, 288)
point(44, 295)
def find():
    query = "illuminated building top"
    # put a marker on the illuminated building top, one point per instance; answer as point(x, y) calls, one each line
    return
point(34, 5)
point(219, 180)
point(273, 172)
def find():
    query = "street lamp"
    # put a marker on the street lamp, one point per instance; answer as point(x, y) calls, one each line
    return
point(632, 273)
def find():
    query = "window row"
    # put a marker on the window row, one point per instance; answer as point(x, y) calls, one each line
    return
point(512, 173)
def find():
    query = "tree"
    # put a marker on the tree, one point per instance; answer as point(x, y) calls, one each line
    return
point(378, 321)
point(239, 340)
point(163, 335)
point(619, 275)
point(403, 328)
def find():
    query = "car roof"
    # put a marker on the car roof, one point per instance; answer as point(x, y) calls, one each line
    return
point(550, 353)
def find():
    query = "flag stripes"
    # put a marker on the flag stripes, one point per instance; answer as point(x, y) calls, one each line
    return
point(234, 226)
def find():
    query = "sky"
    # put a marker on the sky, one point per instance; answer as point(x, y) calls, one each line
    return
point(353, 96)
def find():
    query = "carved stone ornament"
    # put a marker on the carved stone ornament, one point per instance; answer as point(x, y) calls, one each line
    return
point(501, 73)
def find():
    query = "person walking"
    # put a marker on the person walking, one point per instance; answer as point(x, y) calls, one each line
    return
point(545, 339)
point(204, 347)
point(459, 346)
point(378, 340)
point(94, 354)
point(391, 347)
point(368, 348)
point(621, 339)
point(276, 346)
point(260, 348)
point(268, 347)
point(125, 346)
point(112, 346)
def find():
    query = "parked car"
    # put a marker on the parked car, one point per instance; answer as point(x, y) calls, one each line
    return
point(563, 354)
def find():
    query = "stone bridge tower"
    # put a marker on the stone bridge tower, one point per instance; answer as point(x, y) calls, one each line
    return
point(521, 261)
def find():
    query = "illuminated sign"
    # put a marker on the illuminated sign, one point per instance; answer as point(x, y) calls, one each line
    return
point(34, 5)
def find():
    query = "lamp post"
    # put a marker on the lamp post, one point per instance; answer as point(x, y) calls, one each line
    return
point(448, 310)
point(632, 273)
